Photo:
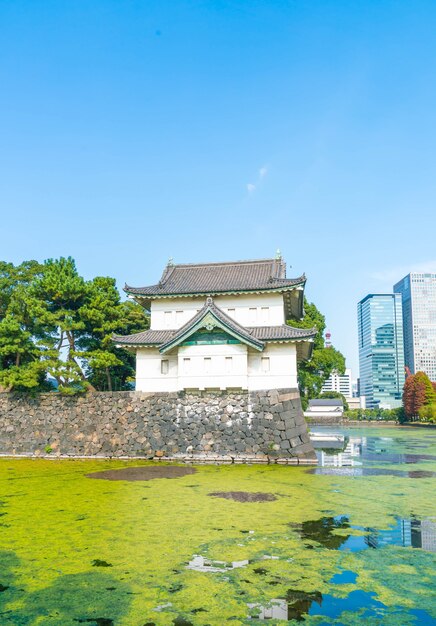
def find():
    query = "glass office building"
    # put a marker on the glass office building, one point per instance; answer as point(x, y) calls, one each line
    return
point(418, 293)
point(381, 350)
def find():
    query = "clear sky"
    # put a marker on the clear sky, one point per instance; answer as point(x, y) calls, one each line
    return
point(132, 131)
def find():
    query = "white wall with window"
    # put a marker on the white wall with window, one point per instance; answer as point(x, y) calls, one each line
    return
point(156, 372)
point(274, 368)
point(213, 366)
point(247, 310)
point(216, 367)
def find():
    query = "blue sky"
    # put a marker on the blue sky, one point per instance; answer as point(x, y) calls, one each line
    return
point(132, 131)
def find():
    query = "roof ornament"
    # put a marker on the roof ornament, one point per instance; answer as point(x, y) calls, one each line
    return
point(170, 262)
point(209, 301)
point(278, 255)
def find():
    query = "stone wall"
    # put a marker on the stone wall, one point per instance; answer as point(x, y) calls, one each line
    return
point(260, 426)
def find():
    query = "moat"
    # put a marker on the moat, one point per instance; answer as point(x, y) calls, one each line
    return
point(350, 541)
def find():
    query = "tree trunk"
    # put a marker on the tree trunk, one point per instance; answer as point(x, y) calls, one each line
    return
point(109, 380)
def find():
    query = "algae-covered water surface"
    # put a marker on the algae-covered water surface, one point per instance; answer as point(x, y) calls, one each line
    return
point(350, 541)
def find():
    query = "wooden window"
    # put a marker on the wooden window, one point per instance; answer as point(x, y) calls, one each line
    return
point(264, 314)
point(179, 318)
point(231, 312)
point(265, 364)
point(229, 364)
point(164, 366)
point(187, 366)
point(168, 317)
point(252, 315)
point(207, 362)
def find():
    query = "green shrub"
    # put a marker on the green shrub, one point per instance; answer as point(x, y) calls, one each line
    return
point(427, 413)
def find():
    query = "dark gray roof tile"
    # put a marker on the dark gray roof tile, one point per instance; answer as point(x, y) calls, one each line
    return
point(215, 278)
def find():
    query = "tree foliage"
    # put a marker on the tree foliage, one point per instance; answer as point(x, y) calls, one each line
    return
point(336, 394)
point(418, 392)
point(54, 322)
point(313, 374)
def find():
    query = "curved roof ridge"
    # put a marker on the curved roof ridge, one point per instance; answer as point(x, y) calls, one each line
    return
point(214, 263)
point(229, 323)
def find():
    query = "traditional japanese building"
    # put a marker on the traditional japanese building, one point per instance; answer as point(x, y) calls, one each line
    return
point(220, 326)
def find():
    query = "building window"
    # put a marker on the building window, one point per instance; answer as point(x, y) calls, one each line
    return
point(264, 314)
point(164, 366)
point(252, 315)
point(168, 317)
point(179, 318)
point(229, 364)
point(231, 312)
point(186, 366)
point(265, 364)
point(207, 364)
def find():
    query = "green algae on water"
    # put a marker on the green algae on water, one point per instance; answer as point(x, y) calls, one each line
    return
point(75, 550)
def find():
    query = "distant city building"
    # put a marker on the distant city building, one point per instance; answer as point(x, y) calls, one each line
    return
point(381, 351)
point(418, 293)
point(325, 408)
point(356, 402)
point(340, 383)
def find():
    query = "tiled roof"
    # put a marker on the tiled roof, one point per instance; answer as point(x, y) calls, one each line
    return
point(253, 335)
point(215, 278)
point(276, 333)
point(326, 402)
point(145, 338)
point(228, 323)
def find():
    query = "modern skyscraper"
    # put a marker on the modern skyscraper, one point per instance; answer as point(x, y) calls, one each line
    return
point(381, 351)
point(418, 293)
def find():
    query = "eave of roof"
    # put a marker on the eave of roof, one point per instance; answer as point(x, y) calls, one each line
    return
point(209, 279)
point(141, 293)
point(256, 336)
point(212, 315)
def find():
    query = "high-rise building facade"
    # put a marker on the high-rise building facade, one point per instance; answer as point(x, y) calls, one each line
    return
point(381, 350)
point(418, 293)
point(339, 382)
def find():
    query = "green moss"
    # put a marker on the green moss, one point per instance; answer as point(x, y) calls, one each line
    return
point(58, 524)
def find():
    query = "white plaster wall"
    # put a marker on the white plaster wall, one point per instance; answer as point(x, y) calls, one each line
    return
point(244, 370)
point(172, 313)
point(282, 367)
point(226, 368)
point(148, 371)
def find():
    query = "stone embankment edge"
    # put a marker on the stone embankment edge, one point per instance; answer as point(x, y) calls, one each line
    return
point(190, 427)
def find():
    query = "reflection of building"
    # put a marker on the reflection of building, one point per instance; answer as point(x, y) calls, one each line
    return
point(424, 534)
point(399, 535)
point(406, 532)
point(277, 610)
point(343, 458)
point(381, 352)
point(201, 564)
point(418, 292)
point(220, 326)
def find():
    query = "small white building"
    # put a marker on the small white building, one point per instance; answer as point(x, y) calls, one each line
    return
point(220, 326)
point(325, 407)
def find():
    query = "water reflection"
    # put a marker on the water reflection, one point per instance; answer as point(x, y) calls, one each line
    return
point(362, 605)
point(201, 564)
point(294, 607)
point(411, 532)
point(339, 454)
point(321, 531)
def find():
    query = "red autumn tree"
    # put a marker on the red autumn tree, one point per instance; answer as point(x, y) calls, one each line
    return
point(417, 392)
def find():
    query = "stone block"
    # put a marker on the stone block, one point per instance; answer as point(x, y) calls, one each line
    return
point(290, 395)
